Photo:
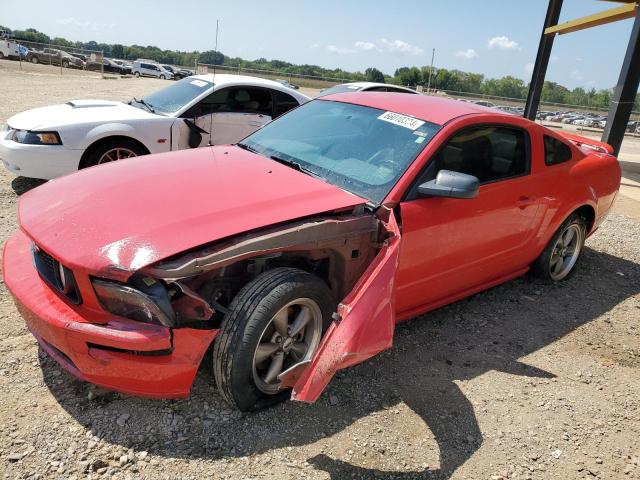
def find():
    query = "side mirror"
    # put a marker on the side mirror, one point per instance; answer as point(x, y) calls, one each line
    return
point(450, 185)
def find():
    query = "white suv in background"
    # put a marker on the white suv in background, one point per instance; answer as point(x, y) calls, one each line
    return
point(146, 68)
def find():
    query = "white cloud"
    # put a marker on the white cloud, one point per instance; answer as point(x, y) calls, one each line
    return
point(554, 58)
point(340, 50)
point(468, 54)
point(400, 46)
point(314, 45)
point(576, 75)
point(528, 68)
point(383, 45)
point(365, 46)
point(503, 43)
point(84, 24)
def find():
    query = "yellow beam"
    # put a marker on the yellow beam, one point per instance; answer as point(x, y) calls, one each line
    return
point(600, 18)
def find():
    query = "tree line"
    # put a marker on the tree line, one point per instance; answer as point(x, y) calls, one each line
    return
point(441, 78)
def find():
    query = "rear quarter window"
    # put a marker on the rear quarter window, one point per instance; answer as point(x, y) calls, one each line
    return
point(555, 151)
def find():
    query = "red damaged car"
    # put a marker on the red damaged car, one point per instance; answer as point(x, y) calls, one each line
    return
point(294, 253)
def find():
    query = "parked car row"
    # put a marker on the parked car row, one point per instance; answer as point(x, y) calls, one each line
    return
point(289, 249)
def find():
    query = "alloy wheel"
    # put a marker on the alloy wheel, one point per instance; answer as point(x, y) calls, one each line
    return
point(566, 252)
point(117, 153)
point(291, 336)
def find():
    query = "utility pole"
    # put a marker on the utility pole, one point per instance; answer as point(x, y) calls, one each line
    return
point(433, 54)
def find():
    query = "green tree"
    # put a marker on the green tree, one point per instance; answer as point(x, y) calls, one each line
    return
point(374, 75)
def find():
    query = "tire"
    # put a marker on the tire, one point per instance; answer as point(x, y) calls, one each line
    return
point(65, 64)
point(96, 154)
point(249, 319)
point(162, 77)
point(1, 56)
point(34, 59)
point(547, 265)
point(137, 74)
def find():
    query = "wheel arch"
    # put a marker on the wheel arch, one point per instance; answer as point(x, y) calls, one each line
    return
point(97, 143)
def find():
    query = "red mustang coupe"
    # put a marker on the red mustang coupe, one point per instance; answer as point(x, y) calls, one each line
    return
point(295, 252)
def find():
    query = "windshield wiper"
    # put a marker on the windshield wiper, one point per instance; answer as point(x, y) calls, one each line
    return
point(244, 146)
point(142, 102)
point(295, 166)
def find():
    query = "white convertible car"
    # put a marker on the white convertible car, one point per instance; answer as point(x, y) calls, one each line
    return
point(196, 111)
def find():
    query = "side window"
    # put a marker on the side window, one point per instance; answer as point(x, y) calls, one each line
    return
point(282, 103)
point(248, 100)
point(378, 89)
point(490, 153)
point(216, 102)
point(555, 151)
point(398, 90)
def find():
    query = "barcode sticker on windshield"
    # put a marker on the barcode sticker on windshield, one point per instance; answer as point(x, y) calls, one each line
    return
point(198, 83)
point(401, 120)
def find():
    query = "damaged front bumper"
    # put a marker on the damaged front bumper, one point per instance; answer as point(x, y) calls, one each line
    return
point(119, 354)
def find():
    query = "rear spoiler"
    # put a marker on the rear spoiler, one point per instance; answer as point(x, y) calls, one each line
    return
point(587, 142)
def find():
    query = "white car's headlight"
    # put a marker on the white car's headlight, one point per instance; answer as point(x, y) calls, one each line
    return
point(36, 138)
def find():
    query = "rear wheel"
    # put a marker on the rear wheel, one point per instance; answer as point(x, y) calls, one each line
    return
point(275, 322)
point(560, 257)
point(1, 56)
point(162, 77)
point(137, 74)
point(112, 150)
point(34, 59)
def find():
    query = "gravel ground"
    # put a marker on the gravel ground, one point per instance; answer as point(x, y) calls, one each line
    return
point(526, 380)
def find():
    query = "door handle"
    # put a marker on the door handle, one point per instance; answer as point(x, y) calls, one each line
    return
point(523, 202)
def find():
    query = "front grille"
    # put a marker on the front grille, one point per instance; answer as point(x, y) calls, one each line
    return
point(57, 276)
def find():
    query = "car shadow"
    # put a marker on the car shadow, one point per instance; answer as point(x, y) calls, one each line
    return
point(22, 185)
point(490, 331)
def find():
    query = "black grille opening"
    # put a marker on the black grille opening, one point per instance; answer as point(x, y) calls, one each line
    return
point(57, 276)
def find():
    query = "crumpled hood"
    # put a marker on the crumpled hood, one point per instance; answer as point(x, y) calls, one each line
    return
point(76, 112)
point(116, 218)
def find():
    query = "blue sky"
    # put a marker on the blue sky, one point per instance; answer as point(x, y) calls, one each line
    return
point(493, 37)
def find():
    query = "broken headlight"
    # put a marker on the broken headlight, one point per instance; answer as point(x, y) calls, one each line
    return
point(146, 301)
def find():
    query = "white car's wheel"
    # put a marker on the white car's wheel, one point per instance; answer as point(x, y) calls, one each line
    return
point(162, 77)
point(111, 151)
point(137, 74)
point(34, 59)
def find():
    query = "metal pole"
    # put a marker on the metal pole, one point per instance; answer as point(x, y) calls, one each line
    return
point(433, 54)
point(625, 91)
point(102, 63)
point(542, 60)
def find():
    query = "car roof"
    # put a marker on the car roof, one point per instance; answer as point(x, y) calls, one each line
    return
point(376, 84)
point(229, 79)
point(429, 108)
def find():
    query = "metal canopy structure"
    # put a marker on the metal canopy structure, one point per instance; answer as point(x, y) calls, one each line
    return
point(625, 91)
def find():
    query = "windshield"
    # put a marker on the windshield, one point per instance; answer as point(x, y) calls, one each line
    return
point(340, 89)
point(172, 98)
point(360, 149)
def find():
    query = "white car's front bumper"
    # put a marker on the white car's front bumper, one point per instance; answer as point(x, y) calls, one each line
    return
point(38, 161)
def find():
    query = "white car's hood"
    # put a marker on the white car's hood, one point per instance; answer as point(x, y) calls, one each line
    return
point(76, 112)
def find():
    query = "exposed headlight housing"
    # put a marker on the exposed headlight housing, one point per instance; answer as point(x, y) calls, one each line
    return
point(36, 138)
point(150, 306)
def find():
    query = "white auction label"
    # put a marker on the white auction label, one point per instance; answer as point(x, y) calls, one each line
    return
point(401, 120)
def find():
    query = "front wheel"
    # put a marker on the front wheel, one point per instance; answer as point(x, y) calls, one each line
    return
point(559, 258)
point(111, 151)
point(162, 77)
point(275, 322)
point(137, 74)
point(34, 59)
point(65, 64)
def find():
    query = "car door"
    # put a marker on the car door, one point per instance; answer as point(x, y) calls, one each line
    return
point(246, 109)
point(362, 328)
point(453, 246)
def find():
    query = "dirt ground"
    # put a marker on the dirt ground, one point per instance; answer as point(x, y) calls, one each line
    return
point(526, 380)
